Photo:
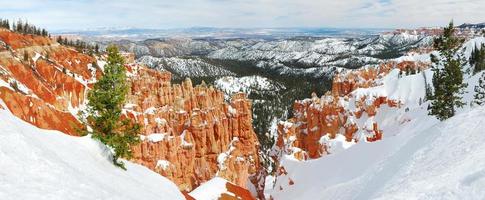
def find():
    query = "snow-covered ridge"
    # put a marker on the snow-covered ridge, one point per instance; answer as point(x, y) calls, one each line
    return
point(425, 160)
point(313, 57)
point(184, 67)
point(418, 157)
point(322, 52)
point(42, 164)
point(247, 84)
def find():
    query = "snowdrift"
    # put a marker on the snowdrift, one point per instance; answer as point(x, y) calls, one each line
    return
point(43, 164)
point(444, 161)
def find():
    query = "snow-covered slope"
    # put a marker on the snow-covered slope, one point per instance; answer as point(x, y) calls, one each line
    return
point(185, 67)
point(247, 84)
point(425, 160)
point(219, 188)
point(210, 190)
point(324, 51)
point(42, 164)
point(418, 157)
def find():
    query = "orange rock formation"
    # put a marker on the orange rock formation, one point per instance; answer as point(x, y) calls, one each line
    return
point(330, 114)
point(190, 133)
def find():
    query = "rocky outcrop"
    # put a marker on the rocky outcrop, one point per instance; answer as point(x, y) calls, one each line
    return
point(319, 120)
point(220, 189)
point(42, 81)
point(190, 134)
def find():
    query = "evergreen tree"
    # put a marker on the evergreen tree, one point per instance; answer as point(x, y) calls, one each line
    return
point(106, 101)
point(448, 77)
point(480, 91)
point(477, 59)
point(24, 27)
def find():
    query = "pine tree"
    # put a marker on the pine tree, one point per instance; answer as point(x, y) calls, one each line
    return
point(477, 59)
point(479, 97)
point(448, 77)
point(106, 101)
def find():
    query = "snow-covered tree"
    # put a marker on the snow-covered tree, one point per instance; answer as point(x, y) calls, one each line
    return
point(448, 77)
point(480, 91)
point(477, 58)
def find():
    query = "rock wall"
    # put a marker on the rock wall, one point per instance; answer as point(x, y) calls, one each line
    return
point(320, 119)
point(189, 133)
point(42, 81)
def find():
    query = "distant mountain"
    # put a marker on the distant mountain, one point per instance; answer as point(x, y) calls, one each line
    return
point(301, 65)
point(110, 34)
point(474, 26)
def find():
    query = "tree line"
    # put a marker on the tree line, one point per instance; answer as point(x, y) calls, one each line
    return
point(448, 82)
point(23, 27)
point(27, 28)
point(79, 45)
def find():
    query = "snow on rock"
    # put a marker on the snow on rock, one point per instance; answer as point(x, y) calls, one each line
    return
point(210, 190)
point(335, 145)
point(414, 155)
point(221, 158)
point(42, 164)
point(219, 188)
point(164, 164)
point(155, 137)
point(426, 160)
point(49, 92)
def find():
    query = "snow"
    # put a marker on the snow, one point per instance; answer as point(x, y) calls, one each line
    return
point(232, 111)
point(325, 53)
point(151, 111)
point(210, 190)
point(36, 57)
point(247, 84)
point(43, 164)
point(164, 164)
point(407, 89)
point(418, 158)
point(221, 158)
point(154, 137)
point(430, 161)
point(161, 121)
point(336, 144)
point(184, 143)
point(184, 67)
point(5, 84)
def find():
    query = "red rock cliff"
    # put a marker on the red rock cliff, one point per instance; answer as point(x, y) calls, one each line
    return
point(190, 134)
point(317, 120)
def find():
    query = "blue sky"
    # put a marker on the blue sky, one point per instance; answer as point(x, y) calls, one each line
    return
point(163, 14)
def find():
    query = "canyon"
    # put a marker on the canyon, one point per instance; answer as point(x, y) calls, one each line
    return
point(202, 136)
point(190, 133)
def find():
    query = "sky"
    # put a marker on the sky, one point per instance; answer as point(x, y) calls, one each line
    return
point(167, 14)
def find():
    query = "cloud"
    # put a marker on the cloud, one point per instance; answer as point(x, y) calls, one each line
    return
point(82, 14)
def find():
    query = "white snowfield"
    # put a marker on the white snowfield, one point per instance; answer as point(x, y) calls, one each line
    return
point(444, 161)
point(419, 157)
point(41, 164)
